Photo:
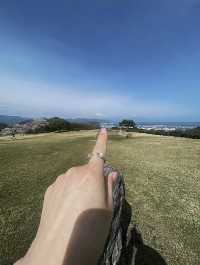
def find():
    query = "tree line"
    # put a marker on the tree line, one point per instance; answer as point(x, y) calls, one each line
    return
point(56, 124)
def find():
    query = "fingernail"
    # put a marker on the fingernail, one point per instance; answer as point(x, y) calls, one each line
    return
point(103, 130)
point(114, 176)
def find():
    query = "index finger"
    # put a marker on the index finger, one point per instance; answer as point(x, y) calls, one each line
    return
point(100, 147)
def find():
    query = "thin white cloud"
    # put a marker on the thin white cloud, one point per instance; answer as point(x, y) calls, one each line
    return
point(39, 99)
point(100, 115)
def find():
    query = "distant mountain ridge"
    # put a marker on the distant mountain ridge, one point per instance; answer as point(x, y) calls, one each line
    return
point(86, 120)
point(11, 120)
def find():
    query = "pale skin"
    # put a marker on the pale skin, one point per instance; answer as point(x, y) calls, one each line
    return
point(76, 215)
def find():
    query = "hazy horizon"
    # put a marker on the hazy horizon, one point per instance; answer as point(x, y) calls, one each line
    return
point(114, 120)
point(101, 59)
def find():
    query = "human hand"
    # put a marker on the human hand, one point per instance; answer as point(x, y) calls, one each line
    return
point(76, 215)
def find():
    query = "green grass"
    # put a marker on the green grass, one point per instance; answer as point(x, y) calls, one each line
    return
point(162, 177)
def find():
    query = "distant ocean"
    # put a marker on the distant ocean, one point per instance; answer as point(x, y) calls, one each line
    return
point(167, 126)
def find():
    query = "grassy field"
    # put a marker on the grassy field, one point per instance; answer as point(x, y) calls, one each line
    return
point(162, 176)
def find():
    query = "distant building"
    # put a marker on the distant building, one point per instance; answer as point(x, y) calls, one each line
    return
point(24, 127)
point(6, 131)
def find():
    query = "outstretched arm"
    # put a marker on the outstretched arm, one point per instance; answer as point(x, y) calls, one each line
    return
point(76, 215)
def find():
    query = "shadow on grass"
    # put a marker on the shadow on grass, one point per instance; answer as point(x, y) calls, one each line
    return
point(140, 254)
point(85, 250)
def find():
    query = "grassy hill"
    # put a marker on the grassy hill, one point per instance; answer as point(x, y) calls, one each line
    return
point(162, 177)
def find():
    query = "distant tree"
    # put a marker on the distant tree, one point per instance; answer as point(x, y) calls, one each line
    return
point(127, 124)
point(57, 124)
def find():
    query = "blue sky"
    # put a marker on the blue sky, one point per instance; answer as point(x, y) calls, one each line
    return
point(101, 59)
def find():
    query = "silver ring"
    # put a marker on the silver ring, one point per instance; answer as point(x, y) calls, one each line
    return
point(97, 154)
